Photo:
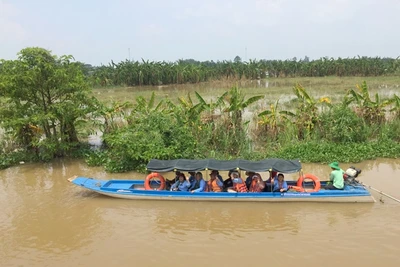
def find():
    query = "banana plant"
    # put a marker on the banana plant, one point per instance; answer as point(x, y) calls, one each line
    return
point(373, 111)
point(396, 106)
point(306, 111)
point(274, 119)
point(112, 116)
point(145, 106)
point(236, 104)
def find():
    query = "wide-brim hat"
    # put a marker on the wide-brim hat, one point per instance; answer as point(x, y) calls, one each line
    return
point(334, 165)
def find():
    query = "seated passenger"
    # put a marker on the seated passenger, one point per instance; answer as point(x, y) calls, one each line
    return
point(214, 184)
point(238, 184)
point(280, 184)
point(169, 183)
point(269, 182)
point(199, 185)
point(218, 175)
point(228, 182)
point(182, 184)
point(272, 175)
point(192, 177)
point(257, 185)
point(249, 178)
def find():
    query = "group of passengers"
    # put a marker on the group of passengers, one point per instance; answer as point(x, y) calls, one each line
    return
point(253, 183)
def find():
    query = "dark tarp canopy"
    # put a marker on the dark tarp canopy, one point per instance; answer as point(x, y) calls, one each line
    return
point(278, 165)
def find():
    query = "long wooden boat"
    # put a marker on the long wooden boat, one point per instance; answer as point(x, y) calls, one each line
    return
point(135, 189)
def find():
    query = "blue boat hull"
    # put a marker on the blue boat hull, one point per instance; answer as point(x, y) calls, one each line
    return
point(134, 189)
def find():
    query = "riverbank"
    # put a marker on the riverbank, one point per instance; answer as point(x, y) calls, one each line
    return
point(307, 152)
point(346, 127)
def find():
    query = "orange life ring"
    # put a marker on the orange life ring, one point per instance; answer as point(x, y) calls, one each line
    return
point(150, 177)
point(317, 183)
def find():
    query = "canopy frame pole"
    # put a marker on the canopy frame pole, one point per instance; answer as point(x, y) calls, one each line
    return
point(270, 176)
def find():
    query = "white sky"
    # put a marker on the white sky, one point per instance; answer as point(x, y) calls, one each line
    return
point(97, 31)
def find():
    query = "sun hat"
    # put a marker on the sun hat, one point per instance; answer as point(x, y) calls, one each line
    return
point(334, 165)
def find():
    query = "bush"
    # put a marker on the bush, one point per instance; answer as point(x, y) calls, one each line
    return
point(324, 152)
point(157, 135)
point(390, 130)
point(342, 125)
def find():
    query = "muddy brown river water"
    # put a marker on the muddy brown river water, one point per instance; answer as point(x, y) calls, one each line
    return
point(46, 221)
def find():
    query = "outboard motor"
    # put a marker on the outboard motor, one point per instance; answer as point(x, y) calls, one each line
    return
point(351, 174)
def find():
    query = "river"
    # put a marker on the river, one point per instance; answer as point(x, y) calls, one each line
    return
point(46, 221)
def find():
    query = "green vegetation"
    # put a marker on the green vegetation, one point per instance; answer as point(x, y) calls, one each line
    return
point(43, 100)
point(314, 130)
point(135, 73)
point(47, 110)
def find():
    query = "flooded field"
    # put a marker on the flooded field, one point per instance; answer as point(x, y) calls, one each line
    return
point(273, 89)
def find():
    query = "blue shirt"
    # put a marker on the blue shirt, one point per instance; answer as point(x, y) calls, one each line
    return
point(201, 188)
point(276, 185)
point(184, 186)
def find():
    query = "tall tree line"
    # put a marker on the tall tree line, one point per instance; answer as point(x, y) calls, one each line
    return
point(138, 73)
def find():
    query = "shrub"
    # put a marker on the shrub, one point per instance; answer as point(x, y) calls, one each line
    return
point(342, 125)
point(157, 135)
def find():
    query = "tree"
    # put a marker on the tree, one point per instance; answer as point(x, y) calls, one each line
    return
point(45, 98)
point(237, 59)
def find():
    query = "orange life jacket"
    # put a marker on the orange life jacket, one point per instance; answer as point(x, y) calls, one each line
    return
point(240, 187)
point(255, 187)
point(212, 186)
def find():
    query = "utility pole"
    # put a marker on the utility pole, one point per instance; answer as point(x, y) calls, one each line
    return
point(129, 54)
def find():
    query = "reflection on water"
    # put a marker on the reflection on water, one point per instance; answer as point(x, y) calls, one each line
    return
point(50, 222)
point(217, 218)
